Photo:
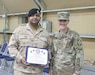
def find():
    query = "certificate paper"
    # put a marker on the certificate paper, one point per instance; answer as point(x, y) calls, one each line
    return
point(36, 55)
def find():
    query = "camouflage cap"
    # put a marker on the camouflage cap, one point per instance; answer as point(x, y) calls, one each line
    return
point(63, 15)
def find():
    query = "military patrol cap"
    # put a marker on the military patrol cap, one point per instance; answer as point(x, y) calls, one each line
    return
point(63, 15)
point(33, 11)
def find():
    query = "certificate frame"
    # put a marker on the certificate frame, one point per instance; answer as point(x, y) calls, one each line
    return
point(29, 48)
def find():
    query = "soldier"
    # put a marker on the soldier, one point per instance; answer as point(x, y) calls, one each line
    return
point(67, 49)
point(31, 34)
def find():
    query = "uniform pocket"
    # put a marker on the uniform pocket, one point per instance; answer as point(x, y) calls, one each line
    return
point(42, 42)
point(69, 50)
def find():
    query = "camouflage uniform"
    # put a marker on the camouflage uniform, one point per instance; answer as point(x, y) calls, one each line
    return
point(22, 37)
point(67, 53)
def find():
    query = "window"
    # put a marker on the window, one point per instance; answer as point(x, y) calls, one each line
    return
point(22, 19)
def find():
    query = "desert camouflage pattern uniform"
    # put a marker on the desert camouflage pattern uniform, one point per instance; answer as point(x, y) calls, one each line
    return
point(22, 37)
point(67, 54)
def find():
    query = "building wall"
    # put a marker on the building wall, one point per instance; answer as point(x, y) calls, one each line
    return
point(81, 21)
point(1, 23)
point(13, 22)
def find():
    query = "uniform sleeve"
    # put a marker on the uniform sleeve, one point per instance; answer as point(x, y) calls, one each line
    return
point(13, 46)
point(52, 54)
point(49, 47)
point(50, 50)
point(79, 56)
point(52, 58)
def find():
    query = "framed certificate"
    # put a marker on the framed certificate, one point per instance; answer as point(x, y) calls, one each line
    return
point(36, 55)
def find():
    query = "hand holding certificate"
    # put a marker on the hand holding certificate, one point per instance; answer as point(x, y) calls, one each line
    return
point(36, 55)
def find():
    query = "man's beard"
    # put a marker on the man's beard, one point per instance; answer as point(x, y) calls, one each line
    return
point(35, 23)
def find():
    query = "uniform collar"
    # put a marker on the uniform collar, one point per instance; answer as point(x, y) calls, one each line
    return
point(61, 35)
point(65, 31)
point(29, 28)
